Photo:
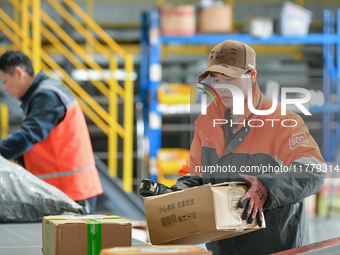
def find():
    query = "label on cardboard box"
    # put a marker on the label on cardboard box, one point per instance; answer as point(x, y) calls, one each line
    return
point(196, 215)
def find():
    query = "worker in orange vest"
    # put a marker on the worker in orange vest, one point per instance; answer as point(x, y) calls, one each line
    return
point(53, 138)
point(273, 153)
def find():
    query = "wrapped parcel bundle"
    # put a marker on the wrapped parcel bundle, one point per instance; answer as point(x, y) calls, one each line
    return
point(26, 198)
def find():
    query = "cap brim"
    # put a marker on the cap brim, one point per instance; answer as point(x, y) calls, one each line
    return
point(231, 71)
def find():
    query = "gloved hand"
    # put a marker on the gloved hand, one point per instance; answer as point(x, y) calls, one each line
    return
point(174, 188)
point(86, 208)
point(253, 200)
point(168, 190)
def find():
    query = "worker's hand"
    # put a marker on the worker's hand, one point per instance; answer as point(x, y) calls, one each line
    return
point(253, 200)
point(174, 188)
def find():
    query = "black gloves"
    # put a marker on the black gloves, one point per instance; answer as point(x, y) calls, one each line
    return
point(253, 200)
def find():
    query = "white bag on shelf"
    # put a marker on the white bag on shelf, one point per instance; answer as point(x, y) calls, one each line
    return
point(295, 20)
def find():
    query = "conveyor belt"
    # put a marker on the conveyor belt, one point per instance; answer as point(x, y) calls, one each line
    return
point(327, 247)
point(20, 239)
point(26, 239)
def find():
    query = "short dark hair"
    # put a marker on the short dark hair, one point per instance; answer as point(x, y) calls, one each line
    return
point(11, 59)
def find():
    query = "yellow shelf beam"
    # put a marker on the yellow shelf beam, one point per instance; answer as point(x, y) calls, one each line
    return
point(3, 121)
point(128, 126)
point(195, 49)
point(113, 111)
point(36, 28)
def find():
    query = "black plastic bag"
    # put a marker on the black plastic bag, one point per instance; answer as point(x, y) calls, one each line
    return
point(26, 198)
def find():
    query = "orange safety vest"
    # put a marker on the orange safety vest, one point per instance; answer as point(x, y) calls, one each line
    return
point(65, 158)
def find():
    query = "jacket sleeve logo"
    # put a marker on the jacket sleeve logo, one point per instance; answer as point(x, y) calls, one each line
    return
point(298, 140)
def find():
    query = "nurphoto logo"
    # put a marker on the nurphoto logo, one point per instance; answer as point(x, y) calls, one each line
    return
point(238, 99)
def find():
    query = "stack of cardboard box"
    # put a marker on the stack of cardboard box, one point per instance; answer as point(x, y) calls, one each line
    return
point(181, 20)
point(192, 216)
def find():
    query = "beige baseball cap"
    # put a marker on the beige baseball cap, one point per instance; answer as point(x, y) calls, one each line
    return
point(231, 58)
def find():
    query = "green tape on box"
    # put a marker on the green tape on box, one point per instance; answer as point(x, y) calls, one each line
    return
point(94, 237)
point(94, 232)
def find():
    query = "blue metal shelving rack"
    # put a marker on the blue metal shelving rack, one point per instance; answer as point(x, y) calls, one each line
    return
point(151, 45)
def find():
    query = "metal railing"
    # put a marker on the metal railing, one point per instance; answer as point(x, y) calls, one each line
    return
point(44, 25)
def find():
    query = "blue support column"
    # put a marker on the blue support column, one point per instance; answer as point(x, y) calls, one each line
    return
point(143, 70)
point(335, 75)
point(337, 81)
point(155, 75)
point(338, 45)
point(326, 148)
point(144, 73)
point(333, 134)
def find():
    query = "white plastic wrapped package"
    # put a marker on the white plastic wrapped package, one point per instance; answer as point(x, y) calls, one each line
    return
point(26, 198)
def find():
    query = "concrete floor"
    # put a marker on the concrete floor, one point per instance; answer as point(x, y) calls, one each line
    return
point(321, 228)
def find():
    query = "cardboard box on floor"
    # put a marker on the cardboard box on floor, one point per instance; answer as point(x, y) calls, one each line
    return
point(84, 234)
point(197, 215)
point(157, 250)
